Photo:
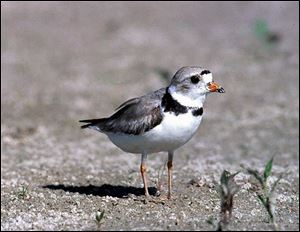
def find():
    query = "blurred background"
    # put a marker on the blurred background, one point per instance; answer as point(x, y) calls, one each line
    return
point(66, 61)
point(62, 61)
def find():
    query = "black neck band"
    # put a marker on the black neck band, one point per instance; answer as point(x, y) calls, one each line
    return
point(171, 105)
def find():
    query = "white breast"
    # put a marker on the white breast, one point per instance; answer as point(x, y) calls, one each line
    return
point(173, 132)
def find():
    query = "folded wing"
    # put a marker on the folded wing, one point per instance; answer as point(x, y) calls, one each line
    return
point(135, 116)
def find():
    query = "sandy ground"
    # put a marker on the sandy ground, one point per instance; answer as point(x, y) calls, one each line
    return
point(61, 62)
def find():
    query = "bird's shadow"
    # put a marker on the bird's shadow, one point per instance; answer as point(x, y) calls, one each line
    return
point(103, 190)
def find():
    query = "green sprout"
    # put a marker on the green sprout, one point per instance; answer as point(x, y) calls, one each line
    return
point(164, 74)
point(264, 34)
point(228, 188)
point(100, 217)
point(22, 192)
point(266, 195)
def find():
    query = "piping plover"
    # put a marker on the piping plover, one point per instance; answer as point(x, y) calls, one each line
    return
point(162, 120)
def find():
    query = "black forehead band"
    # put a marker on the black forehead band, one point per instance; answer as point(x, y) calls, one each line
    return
point(205, 72)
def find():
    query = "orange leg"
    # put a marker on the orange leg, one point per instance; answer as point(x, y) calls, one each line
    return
point(144, 172)
point(170, 167)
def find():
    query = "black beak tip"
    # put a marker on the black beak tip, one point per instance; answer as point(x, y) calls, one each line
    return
point(221, 90)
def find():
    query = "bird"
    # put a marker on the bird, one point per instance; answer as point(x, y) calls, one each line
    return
point(160, 121)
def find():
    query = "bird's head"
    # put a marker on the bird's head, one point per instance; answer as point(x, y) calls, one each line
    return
point(191, 84)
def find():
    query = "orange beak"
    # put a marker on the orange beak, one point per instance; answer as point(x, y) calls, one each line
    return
point(214, 87)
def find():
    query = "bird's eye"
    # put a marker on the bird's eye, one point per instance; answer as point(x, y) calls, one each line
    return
point(195, 79)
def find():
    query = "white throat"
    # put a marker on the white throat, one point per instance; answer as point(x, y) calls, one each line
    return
point(186, 100)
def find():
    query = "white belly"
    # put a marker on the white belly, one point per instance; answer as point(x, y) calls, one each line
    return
point(173, 132)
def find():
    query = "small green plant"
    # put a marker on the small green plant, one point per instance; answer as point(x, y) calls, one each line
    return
point(164, 74)
point(265, 193)
point(264, 34)
point(100, 217)
point(227, 188)
point(22, 192)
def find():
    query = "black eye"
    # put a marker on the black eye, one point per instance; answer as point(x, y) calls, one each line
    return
point(195, 79)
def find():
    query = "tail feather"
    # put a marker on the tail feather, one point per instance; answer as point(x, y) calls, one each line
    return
point(92, 122)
